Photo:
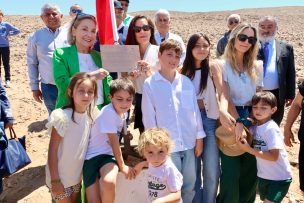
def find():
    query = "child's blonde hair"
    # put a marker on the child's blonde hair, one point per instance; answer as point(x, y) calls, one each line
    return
point(156, 137)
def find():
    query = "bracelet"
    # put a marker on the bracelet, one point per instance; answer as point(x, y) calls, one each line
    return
point(55, 181)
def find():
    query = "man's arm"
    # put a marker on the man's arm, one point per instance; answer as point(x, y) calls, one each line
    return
point(290, 75)
point(13, 30)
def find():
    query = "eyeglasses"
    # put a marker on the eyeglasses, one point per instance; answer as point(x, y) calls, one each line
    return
point(76, 11)
point(137, 29)
point(233, 21)
point(243, 38)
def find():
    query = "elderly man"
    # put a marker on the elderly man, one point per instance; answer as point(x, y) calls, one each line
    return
point(232, 21)
point(126, 17)
point(40, 48)
point(75, 9)
point(162, 23)
point(278, 64)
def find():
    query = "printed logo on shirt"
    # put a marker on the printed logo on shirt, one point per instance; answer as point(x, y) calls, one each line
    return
point(155, 187)
point(259, 144)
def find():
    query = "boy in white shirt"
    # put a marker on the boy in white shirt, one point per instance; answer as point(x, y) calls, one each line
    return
point(274, 170)
point(164, 180)
point(169, 101)
point(104, 157)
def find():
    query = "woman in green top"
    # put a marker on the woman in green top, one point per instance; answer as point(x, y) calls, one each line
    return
point(79, 57)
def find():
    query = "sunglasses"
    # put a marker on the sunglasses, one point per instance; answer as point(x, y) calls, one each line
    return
point(243, 38)
point(137, 29)
point(77, 11)
point(235, 21)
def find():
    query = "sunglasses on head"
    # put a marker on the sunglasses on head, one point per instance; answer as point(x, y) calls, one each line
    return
point(144, 28)
point(76, 11)
point(243, 38)
point(80, 15)
point(233, 21)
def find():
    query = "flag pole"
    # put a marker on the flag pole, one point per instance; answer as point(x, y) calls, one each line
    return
point(114, 26)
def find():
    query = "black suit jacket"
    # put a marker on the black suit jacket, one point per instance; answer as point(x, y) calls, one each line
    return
point(286, 70)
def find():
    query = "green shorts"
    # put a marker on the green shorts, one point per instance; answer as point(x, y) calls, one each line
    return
point(92, 166)
point(273, 190)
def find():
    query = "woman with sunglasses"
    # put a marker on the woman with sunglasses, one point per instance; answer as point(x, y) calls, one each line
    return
point(141, 33)
point(80, 57)
point(242, 77)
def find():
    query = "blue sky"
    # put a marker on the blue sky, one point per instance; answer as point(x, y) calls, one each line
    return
point(32, 7)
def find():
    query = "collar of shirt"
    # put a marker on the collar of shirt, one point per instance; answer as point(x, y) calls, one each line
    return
point(158, 76)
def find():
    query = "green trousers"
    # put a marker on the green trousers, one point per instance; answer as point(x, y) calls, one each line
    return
point(238, 181)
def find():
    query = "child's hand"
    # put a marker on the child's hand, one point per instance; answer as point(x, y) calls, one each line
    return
point(243, 144)
point(57, 188)
point(130, 173)
point(198, 147)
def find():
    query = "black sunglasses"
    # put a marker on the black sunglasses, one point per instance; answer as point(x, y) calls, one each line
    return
point(77, 11)
point(243, 38)
point(235, 21)
point(137, 29)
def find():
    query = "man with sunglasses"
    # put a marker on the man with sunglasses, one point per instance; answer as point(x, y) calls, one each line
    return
point(75, 9)
point(126, 17)
point(162, 23)
point(232, 21)
point(40, 48)
point(278, 64)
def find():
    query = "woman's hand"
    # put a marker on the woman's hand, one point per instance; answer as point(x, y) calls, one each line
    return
point(227, 120)
point(288, 137)
point(129, 172)
point(144, 67)
point(99, 74)
point(135, 73)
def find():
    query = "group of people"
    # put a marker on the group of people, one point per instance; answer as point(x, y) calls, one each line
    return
point(179, 95)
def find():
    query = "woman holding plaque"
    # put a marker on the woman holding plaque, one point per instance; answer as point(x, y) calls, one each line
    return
point(141, 33)
point(80, 57)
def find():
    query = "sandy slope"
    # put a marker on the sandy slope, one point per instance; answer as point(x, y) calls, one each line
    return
point(28, 184)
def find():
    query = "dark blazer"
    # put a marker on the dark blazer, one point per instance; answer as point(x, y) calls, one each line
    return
point(286, 70)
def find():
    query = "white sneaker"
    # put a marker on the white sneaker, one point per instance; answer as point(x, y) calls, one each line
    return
point(7, 84)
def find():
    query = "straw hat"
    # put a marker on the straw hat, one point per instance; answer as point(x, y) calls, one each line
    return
point(226, 141)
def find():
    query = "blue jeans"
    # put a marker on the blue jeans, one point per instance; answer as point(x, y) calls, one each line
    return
point(49, 94)
point(206, 192)
point(185, 163)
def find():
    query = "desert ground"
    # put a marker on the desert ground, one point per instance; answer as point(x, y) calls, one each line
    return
point(28, 185)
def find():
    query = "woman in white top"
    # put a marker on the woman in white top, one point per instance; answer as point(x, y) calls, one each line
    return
point(206, 78)
point(241, 80)
point(141, 33)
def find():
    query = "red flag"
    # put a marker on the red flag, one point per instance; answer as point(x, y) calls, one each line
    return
point(106, 22)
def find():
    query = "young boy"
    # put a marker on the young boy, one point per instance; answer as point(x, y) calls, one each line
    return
point(164, 180)
point(104, 157)
point(274, 171)
point(169, 101)
point(6, 30)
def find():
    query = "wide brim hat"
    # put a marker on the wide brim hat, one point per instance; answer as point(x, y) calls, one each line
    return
point(226, 141)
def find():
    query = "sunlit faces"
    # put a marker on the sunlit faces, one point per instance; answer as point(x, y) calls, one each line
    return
point(232, 23)
point(243, 47)
point(201, 49)
point(121, 101)
point(267, 30)
point(156, 155)
point(162, 23)
point(169, 59)
point(262, 112)
point(119, 14)
point(83, 95)
point(74, 10)
point(85, 34)
point(124, 5)
point(143, 36)
point(52, 19)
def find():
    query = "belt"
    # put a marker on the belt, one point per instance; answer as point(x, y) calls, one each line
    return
point(242, 107)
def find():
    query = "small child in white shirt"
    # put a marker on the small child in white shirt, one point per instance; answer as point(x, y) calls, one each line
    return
point(164, 180)
point(274, 171)
point(104, 158)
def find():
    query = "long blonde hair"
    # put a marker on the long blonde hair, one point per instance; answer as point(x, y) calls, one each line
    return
point(250, 56)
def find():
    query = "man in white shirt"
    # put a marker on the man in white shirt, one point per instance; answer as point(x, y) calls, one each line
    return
point(169, 101)
point(40, 48)
point(162, 23)
point(278, 63)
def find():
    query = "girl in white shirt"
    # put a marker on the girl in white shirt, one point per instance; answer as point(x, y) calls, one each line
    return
point(164, 180)
point(69, 130)
point(205, 78)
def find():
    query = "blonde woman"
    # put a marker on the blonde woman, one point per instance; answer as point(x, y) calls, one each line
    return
point(241, 80)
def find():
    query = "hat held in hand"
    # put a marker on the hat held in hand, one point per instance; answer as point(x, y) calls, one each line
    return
point(226, 141)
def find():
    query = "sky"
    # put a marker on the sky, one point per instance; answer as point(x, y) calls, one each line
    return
point(32, 7)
